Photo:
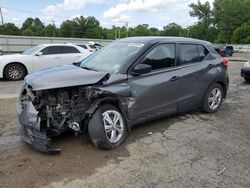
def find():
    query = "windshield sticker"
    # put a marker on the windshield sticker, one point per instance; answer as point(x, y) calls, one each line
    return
point(137, 45)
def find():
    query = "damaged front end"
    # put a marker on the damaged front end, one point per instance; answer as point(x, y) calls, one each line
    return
point(46, 113)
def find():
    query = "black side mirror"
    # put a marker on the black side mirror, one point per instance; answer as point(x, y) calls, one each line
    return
point(141, 69)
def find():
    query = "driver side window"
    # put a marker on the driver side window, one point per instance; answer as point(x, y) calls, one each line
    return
point(51, 50)
point(161, 56)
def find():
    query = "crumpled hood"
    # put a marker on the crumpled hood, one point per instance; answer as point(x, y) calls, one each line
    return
point(63, 76)
point(11, 57)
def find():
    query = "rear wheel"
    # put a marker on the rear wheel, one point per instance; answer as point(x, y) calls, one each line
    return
point(107, 127)
point(14, 71)
point(213, 98)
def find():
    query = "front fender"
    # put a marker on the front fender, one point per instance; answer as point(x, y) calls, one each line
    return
point(108, 100)
point(2, 65)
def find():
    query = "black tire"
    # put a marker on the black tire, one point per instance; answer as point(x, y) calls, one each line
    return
point(21, 72)
point(97, 131)
point(206, 106)
point(247, 79)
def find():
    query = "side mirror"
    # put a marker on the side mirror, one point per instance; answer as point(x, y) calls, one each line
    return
point(141, 69)
point(39, 53)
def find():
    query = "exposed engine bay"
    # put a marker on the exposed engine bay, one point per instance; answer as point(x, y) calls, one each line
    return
point(57, 110)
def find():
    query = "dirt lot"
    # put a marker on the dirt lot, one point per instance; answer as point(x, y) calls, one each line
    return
point(188, 150)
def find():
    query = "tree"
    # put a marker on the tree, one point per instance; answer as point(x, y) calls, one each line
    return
point(50, 31)
point(68, 29)
point(9, 29)
point(228, 15)
point(28, 32)
point(140, 30)
point(241, 35)
point(172, 29)
point(35, 25)
point(27, 23)
point(203, 13)
point(93, 33)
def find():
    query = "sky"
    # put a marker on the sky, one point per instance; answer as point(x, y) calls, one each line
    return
point(156, 13)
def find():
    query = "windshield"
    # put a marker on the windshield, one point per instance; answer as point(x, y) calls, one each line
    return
point(112, 57)
point(31, 50)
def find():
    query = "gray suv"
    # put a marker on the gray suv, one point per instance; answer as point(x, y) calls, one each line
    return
point(128, 82)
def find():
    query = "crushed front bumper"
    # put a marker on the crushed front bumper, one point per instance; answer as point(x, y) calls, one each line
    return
point(29, 128)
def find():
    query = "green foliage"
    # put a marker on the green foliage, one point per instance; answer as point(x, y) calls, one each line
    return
point(241, 34)
point(172, 29)
point(224, 22)
point(9, 29)
point(28, 32)
point(140, 30)
point(228, 15)
point(203, 29)
point(50, 31)
point(35, 25)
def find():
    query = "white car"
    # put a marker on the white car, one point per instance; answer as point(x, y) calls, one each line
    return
point(89, 47)
point(17, 66)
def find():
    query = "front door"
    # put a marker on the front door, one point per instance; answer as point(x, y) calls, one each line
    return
point(51, 57)
point(156, 93)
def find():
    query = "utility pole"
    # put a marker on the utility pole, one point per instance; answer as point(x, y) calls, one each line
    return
point(54, 32)
point(1, 14)
point(126, 24)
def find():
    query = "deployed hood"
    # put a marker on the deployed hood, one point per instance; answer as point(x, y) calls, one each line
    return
point(11, 57)
point(63, 76)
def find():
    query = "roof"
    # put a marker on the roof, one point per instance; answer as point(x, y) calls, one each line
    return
point(59, 44)
point(155, 39)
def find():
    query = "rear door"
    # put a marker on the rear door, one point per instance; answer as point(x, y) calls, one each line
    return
point(193, 65)
point(50, 58)
point(70, 54)
point(155, 93)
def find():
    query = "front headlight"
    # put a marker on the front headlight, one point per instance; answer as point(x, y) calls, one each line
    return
point(247, 64)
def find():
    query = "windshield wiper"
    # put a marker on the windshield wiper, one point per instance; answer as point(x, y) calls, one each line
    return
point(89, 68)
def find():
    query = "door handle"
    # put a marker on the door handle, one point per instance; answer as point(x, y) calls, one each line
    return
point(174, 78)
point(78, 56)
point(57, 58)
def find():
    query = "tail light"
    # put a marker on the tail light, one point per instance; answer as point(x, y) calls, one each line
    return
point(225, 62)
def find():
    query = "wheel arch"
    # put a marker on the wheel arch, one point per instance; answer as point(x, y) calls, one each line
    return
point(224, 87)
point(107, 100)
point(25, 68)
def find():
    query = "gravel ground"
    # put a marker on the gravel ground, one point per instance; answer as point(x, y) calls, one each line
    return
point(188, 150)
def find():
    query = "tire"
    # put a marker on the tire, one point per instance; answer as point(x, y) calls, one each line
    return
point(247, 79)
point(213, 98)
point(96, 127)
point(14, 71)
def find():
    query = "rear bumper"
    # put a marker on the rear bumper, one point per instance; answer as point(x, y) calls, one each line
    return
point(245, 72)
point(29, 128)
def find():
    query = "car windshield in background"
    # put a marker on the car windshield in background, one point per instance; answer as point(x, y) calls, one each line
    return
point(112, 57)
point(31, 50)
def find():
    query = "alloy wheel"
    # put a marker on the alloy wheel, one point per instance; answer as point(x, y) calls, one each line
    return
point(113, 125)
point(15, 72)
point(214, 98)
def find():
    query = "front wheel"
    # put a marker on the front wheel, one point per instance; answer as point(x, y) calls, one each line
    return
point(14, 72)
point(213, 98)
point(107, 127)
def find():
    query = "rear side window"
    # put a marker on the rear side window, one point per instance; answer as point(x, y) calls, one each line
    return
point(83, 46)
point(69, 50)
point(51, 50)
point(161, 56)
point(92, 46)
point(202, 52)
point(189, 54)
